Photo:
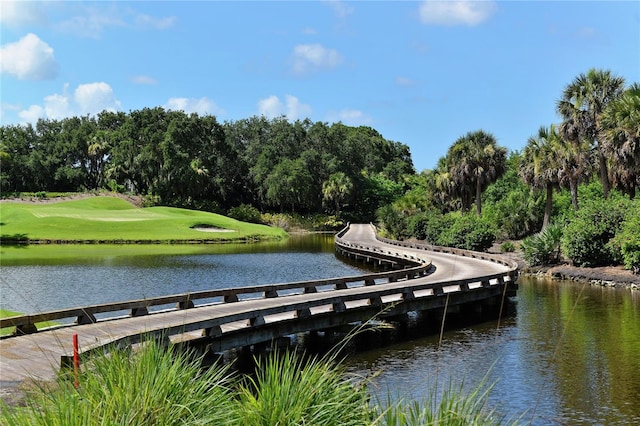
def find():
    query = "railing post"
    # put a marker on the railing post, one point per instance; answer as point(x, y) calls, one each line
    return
point(339, 307)
point(303, 313)
point(375, 301)
point(407, 294)
point(86, 318)
point(270, 294)
point(340, 285)
point(259, 320)
point(214, 331)
point(230, 298)
point(185, 304)
point(25, 329)
point(138, 312)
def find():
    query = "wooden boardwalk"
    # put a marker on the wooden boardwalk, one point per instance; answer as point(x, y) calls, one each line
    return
point(429, 278)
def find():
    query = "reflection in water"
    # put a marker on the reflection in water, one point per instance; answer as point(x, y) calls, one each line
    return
point(569, 355)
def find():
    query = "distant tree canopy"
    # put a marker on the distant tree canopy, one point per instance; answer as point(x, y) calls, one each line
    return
point(194, 161)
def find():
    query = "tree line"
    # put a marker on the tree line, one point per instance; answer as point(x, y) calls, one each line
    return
point(188, 160)
point(477, 193)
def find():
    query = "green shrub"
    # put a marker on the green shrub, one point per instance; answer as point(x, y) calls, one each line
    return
point(393, 221)
point(628, 239)
point(325, 223)
point(467, 231)
point(245, 213)
point(543, 248)
point(512, 207)
point(588, 236)
point(507, 247)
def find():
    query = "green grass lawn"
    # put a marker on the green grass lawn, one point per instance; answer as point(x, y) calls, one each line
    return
point(111, 219)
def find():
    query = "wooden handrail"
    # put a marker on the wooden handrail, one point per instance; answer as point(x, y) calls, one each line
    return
point(415, 267)
point(86, 314)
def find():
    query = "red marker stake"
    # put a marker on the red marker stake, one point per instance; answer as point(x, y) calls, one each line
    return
point(76, 361)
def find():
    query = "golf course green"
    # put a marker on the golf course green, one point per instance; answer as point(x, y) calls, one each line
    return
point(105, 219)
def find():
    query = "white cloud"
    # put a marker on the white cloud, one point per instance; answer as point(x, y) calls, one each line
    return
point(292, 108)
point(28, 59)
point(16, 13)
point(146, 21)
point(90, 98)
point(92, 21)
point(308, 57)
point(467, 12)
point(93, 98)
point(144, 79)
point(270, 107)
point(350, 117)
point(56, 106)
point(31, 114)
point(202, 106)
point(341, 9)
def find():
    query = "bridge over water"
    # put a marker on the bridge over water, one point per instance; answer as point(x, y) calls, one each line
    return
point(423, 278)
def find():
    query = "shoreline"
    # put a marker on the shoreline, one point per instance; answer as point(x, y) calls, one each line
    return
point(603, 276)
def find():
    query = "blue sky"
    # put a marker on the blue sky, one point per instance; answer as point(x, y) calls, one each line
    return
point(420, 72)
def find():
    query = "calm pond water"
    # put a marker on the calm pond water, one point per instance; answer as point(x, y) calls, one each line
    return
point(570, 354)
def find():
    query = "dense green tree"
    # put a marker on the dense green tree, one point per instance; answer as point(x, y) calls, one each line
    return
point(15, 163)
point(581, 107)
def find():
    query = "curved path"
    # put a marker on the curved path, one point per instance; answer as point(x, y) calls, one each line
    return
point(280, 309)
point(447, 266)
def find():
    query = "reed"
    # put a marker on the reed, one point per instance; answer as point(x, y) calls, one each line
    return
point(150, 386)
point(155, 385)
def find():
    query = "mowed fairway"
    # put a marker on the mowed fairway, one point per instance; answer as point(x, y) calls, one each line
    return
point(111, 219)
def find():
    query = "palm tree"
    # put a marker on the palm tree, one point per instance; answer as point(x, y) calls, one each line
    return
point(475, 161)
point(539, 167)
point(581, 107)
point(574, 166)
point(621, 138)
point(337, 189)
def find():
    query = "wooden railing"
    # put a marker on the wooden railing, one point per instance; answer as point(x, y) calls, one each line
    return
point(26, 324)
point(414, 266)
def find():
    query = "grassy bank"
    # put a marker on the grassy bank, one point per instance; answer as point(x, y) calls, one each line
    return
point(109, 219)
point(154, 386)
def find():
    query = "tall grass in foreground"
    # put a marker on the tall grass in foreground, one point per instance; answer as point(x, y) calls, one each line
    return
point(158, 386)
point(151, 386)
point(451, 407)
point(289, 390)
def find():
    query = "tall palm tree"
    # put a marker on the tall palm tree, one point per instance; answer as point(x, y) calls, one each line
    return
point(337, 189)
point(581, 107)
point(539, 167)
point(574, 166)
point(621, 138)
point(475, 161)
